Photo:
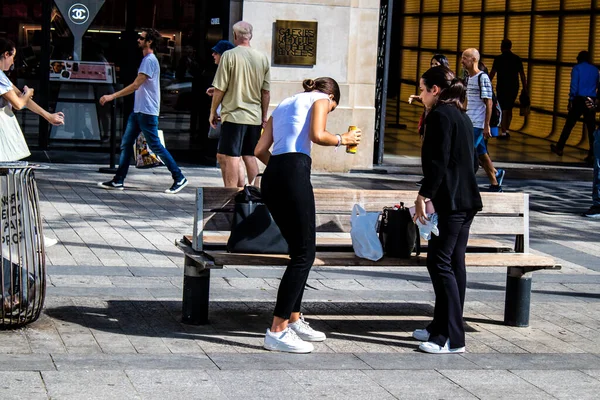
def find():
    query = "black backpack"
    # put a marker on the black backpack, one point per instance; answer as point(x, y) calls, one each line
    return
point(496, 110)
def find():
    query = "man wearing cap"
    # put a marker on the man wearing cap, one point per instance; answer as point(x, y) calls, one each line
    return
point(221, 47)
point(241, 86)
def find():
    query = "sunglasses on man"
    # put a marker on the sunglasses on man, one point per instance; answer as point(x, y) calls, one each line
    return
point(140, 37)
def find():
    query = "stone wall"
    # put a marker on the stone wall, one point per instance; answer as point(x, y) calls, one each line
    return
point(346, 51)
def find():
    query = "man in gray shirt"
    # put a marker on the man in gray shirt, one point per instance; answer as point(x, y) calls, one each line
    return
point(144, 117)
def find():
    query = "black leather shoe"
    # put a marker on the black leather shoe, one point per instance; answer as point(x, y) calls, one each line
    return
point(556, 150)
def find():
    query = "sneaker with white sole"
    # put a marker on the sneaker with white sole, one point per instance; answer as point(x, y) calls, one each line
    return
point(305, 332)
point(434, 348)
point(286, 341)
point(48, 241)
point(111, 185)
point(177, 186)
point(421, 335)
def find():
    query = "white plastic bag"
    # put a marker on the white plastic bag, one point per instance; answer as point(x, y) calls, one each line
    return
point(365, 240)
point(13, 146)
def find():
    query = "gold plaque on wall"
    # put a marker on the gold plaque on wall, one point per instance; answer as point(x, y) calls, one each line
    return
point(295, 42)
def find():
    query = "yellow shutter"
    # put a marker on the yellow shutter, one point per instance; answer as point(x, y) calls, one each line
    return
point(450, 6)
point(411, 32)
point(449, 33)
point(431, 5)
point(495, 5)
point(412, 6)
point(576, 36)
point(493, 29)
point(430, 32)
point(545, 37)
point(470, 32)
point(409, 64)
point(520, 5)
point(519, 27)
point(547, 5)
point(577, 4)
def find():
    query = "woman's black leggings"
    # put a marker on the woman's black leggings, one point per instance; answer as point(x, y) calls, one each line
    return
point(446, 266)
point(288, 193)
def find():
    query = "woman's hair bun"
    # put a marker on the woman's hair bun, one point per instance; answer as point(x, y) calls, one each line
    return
point(308, 85)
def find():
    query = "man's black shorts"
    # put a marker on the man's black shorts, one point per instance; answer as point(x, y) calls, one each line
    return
point(238, 139)
point(507, 98)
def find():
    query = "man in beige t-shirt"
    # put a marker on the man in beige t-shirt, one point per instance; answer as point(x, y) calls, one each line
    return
point(242, 88)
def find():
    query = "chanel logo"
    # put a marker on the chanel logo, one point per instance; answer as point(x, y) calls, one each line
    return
point(79, 13)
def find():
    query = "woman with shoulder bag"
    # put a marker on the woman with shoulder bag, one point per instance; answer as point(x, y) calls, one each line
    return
point(297, 123)
point(12, 97)
point(449, 165)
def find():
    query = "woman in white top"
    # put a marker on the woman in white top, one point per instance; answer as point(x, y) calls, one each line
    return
point(297, 123)
point(10, 95)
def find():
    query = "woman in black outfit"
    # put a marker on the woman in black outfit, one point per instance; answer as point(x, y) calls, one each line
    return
point(449, 165)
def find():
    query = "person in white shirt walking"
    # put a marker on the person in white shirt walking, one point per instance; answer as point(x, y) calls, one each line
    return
point(144, 117)
point(479, 110)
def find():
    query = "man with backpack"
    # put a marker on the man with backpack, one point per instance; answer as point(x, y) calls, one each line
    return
point(483, 112)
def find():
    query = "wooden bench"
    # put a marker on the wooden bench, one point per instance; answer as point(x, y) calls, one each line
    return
point(503, 214)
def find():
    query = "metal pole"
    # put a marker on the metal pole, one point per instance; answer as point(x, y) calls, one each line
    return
point(113, 140)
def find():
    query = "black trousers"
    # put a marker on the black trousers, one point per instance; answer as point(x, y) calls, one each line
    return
point(288, 194)
point(579, 108)
point(446, 266)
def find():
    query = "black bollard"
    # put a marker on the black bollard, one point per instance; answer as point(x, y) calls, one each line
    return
point(196, 286)
point(518, 298)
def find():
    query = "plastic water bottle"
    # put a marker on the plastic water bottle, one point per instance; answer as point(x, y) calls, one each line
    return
point(429, 227)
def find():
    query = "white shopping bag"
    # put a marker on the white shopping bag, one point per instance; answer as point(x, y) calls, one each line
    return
point(13, 146)
point(365, 240)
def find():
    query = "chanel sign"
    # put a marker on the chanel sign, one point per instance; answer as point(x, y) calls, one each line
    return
point(295, 42)
point(79, 14)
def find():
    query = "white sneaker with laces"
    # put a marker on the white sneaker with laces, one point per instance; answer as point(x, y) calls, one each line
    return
point(48, 241)
point(305, 332)
point(286, 341)
point(434, 348)
point(421, 335)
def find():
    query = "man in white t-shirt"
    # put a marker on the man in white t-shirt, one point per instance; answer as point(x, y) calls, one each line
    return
point(144, 117)
point(479, 110)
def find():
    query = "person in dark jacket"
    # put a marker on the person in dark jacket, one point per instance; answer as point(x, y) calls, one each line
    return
point(449, 164)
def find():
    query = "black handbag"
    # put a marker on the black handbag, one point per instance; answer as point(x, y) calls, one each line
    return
point(398, 233)
point(253, 229)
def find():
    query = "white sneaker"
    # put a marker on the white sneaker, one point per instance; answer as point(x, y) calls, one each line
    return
point(434, 348)
point(48, 241)
point(421, 335)
point(305, 332)
point(286, 341)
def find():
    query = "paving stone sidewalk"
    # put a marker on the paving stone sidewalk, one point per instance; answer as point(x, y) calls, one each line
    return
point(111, 325)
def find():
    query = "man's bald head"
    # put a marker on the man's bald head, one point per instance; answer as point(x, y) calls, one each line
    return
point(472, 53)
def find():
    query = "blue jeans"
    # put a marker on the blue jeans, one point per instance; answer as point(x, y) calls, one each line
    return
point(596, 185)
point(148, 124)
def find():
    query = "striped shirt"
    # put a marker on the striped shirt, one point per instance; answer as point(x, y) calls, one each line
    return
point(475, 96)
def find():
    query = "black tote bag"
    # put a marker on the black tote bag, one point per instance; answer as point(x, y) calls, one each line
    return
point(398, 233)
point(253, 229)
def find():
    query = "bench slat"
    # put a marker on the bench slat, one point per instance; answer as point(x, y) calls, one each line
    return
point(342, 200)
point(482, 224)
point(349, 259)
point(218, 240)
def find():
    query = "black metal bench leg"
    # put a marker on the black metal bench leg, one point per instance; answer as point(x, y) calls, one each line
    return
point(196, 287)
point(518, 297)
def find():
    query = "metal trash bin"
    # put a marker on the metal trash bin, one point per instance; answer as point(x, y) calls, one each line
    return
point(23, 278)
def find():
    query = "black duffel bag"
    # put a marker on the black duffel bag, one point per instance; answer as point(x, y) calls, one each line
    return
point(398, 233)
point(252, 227)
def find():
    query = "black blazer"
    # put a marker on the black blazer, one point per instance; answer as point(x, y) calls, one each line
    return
point(449, 161)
